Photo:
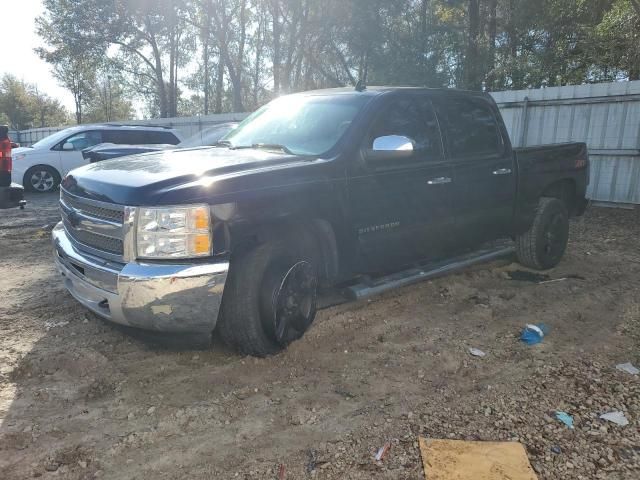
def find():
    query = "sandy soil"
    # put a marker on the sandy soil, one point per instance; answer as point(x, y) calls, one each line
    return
point(80, 398)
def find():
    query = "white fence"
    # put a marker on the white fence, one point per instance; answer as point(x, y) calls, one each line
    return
point(605, 115)
point(187, 126)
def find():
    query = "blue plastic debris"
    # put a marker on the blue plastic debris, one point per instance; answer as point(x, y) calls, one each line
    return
point(556, 450)
point(533, 334)
point(565, 418)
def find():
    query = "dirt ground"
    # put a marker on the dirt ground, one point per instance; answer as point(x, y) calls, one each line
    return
point(83, 399)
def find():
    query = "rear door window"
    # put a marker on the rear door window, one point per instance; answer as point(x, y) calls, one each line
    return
point(471, 127)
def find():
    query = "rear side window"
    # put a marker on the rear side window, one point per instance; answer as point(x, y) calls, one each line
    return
point(471, 127)
point(411, 117)
point(140, 137)
point(161, 137)
point(121, 137)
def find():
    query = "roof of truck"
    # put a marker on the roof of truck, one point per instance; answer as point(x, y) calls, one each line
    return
point(380, 89)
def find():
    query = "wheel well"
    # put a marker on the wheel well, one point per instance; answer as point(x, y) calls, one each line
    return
point(329, 249)
point(564, 190)
point(319, 229)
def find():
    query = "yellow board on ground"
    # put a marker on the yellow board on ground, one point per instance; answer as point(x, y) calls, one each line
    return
point(460, 460)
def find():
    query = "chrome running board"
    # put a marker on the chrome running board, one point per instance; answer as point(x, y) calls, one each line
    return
point(425, 272)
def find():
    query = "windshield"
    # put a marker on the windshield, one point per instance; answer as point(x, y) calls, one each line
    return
point(302, 125)
point(207, 137)
point(54, 138)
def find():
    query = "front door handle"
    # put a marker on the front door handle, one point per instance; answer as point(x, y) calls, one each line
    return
point(502, 171)
point(439, 181)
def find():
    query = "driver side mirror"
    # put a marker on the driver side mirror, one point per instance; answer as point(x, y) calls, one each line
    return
point(390, 147)
point(68, 146)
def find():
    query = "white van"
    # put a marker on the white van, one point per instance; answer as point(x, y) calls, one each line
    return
point(41, 167)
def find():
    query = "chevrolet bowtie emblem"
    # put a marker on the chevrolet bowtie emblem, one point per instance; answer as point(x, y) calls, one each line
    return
point(73, 218)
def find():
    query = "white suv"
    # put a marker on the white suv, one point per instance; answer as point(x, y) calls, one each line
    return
point(40, 167)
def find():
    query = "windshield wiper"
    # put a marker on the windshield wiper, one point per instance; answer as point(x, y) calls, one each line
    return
point(223, 143)
point(272, 146)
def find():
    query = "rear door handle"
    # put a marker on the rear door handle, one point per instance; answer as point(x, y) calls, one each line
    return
point(439, 181)
point(502, 171)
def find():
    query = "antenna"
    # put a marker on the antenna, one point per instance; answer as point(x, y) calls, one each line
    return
point(360, 86)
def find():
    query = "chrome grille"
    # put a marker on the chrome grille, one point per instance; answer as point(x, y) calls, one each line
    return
point(115, 214)
point(94, 240)
point(93, 226)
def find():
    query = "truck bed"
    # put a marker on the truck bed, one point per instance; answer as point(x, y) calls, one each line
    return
point(560, 170)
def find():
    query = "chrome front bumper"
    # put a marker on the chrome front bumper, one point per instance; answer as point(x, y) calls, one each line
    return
point(154, 296)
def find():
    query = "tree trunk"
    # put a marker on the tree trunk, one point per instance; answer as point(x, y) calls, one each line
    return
point(424, 8)
point(219, 84)
point(205, 56)
point(275, 15)
point(172, 59)
point(221, 37)
point(77, 98)
point(512, 42)
point(471, 65)
point(493, 27)
point(159, 77)
point(207, 78)
point(258, 60)
point(294, 39)
point(174, 88)
point(235, 68)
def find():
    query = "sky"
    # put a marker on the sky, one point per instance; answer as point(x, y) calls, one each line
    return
point(19, 39)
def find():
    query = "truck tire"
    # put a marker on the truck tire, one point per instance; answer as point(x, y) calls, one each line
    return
point(270, 296)
point(544, 244)
point(41, 179)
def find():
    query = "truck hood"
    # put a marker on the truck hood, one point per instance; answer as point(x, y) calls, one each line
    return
point(179, 176)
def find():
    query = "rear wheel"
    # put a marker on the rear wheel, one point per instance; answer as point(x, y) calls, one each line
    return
point(41, 178)
point(270, 297)
point(543, 245)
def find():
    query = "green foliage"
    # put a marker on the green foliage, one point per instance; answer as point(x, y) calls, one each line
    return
point(109, 101)
point(201, 56)
point(616, 43)
point(22, 106)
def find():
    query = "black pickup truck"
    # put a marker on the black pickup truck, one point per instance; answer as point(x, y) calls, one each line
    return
point(358, 189)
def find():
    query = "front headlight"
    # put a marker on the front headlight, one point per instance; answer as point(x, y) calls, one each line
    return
point(173, 232)
point(18, 156)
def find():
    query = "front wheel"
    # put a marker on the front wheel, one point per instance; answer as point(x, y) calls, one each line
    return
point(270, 297)
point(543, 245)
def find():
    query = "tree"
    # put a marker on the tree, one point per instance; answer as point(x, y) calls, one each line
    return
point(22, 106)
point(109, 101)
point(16, 103)
point(78, 77)
point(47, 111)
point(149, 40)
point(616, 47)
point(73, 64)
point(219, 55)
